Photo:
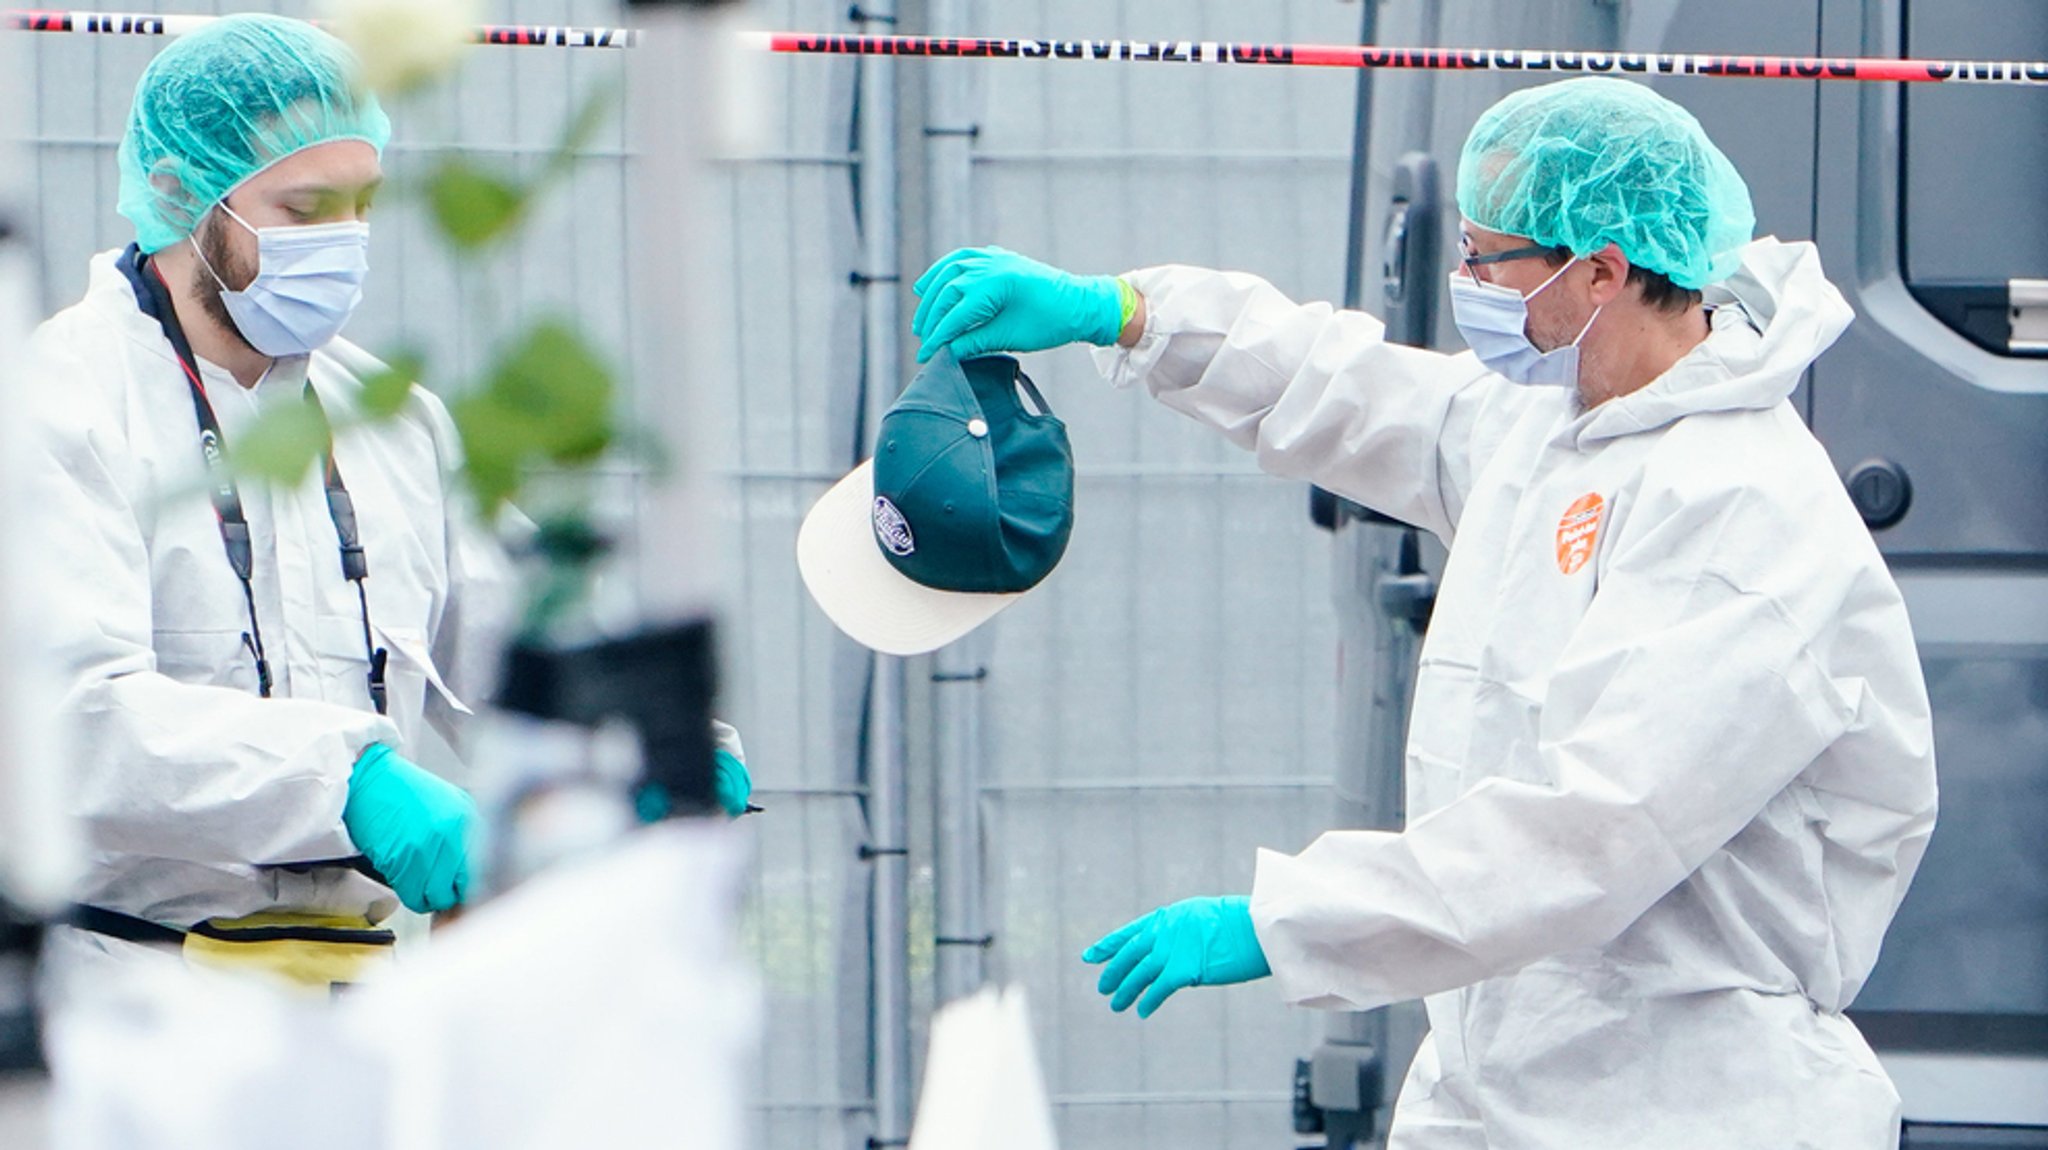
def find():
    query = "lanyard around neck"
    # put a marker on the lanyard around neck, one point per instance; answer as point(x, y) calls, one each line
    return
point(154, 298)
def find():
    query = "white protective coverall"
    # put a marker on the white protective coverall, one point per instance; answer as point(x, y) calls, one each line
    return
point(195, 793)
point(1670, 767)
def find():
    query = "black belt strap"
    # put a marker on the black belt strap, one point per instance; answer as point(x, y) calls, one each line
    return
point(129, 928)
point(125, 927)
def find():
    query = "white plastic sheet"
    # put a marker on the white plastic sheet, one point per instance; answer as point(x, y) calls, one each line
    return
point(599, 1005)
point(982, 1085)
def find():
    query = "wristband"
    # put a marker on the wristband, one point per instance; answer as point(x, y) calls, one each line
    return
point(1127, 302)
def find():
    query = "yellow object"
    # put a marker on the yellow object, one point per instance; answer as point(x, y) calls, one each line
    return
point(315, 951)
point(1127, 303)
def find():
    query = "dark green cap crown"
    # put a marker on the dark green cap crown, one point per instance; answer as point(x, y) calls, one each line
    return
point(973, 492)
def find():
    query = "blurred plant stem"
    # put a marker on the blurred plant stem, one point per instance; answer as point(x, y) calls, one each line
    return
point(546, 401)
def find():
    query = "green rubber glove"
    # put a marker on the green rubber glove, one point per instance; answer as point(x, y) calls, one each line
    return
point(1194, 942)
point(985, 301)
point(730, 782)
point(413, 826)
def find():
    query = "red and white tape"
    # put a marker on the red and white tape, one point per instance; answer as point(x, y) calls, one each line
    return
point(1540, 61)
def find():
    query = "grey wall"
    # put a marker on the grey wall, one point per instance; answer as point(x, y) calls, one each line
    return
point(1160, 708)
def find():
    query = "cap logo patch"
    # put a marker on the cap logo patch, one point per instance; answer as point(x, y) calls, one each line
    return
point(892, 529)
point(1579, 532)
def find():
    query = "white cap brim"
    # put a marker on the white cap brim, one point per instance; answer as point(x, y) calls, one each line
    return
point(876, 605)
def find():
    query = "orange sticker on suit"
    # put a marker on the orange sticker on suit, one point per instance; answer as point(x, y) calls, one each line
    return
point(1579, 532)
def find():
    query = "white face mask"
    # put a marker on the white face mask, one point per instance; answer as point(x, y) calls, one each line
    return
point(308, 282)
point(1495, 323)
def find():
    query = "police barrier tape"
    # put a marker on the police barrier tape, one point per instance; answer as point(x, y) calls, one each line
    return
point(1434, 59)
point(1539, 60)
point(143, 24)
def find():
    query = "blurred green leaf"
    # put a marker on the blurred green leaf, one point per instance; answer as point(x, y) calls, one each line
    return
point(493, 448)
point(281, 446)
point(472, 206)
point(385, 393)
point(555, 379)
point(546, 399)
point(569, 544)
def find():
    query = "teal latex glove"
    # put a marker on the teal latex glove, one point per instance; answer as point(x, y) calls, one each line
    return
point(730, 782)
point(413, 826)
point(984, 301)
point(1193, 942)
point(731, 786)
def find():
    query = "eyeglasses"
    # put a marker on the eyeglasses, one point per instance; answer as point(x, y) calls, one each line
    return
point(1474, 260)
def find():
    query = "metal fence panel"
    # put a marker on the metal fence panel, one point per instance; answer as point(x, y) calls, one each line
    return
point(1164, 705)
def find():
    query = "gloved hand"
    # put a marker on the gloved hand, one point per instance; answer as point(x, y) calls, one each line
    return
point(731, 787)
point(413, 826)
point(983, 301)
point(1193, 942)
point(730, 782)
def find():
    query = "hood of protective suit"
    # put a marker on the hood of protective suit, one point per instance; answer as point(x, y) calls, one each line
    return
point(1771, 319)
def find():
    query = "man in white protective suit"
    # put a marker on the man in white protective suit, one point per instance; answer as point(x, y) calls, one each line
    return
point(1670, 767)
point(249, 669)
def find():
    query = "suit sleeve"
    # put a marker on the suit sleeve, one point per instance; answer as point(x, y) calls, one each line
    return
point(1689, 696)
point(1315, 392)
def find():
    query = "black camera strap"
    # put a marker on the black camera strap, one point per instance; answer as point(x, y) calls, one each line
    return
point(154, 297)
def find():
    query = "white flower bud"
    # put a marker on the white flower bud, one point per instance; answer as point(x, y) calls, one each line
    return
point(405, 44)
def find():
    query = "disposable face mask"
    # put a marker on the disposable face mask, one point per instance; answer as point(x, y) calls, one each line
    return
point(1495, 323)
point(308, 282)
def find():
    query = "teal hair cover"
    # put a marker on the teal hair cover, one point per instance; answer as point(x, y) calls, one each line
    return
point(225, 102)
point(1585, 163)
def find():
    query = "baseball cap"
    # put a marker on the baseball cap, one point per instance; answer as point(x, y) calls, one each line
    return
point(967, 503)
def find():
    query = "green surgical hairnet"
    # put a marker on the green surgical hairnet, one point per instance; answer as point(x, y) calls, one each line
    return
point(1585, 163)
point(227, 101)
